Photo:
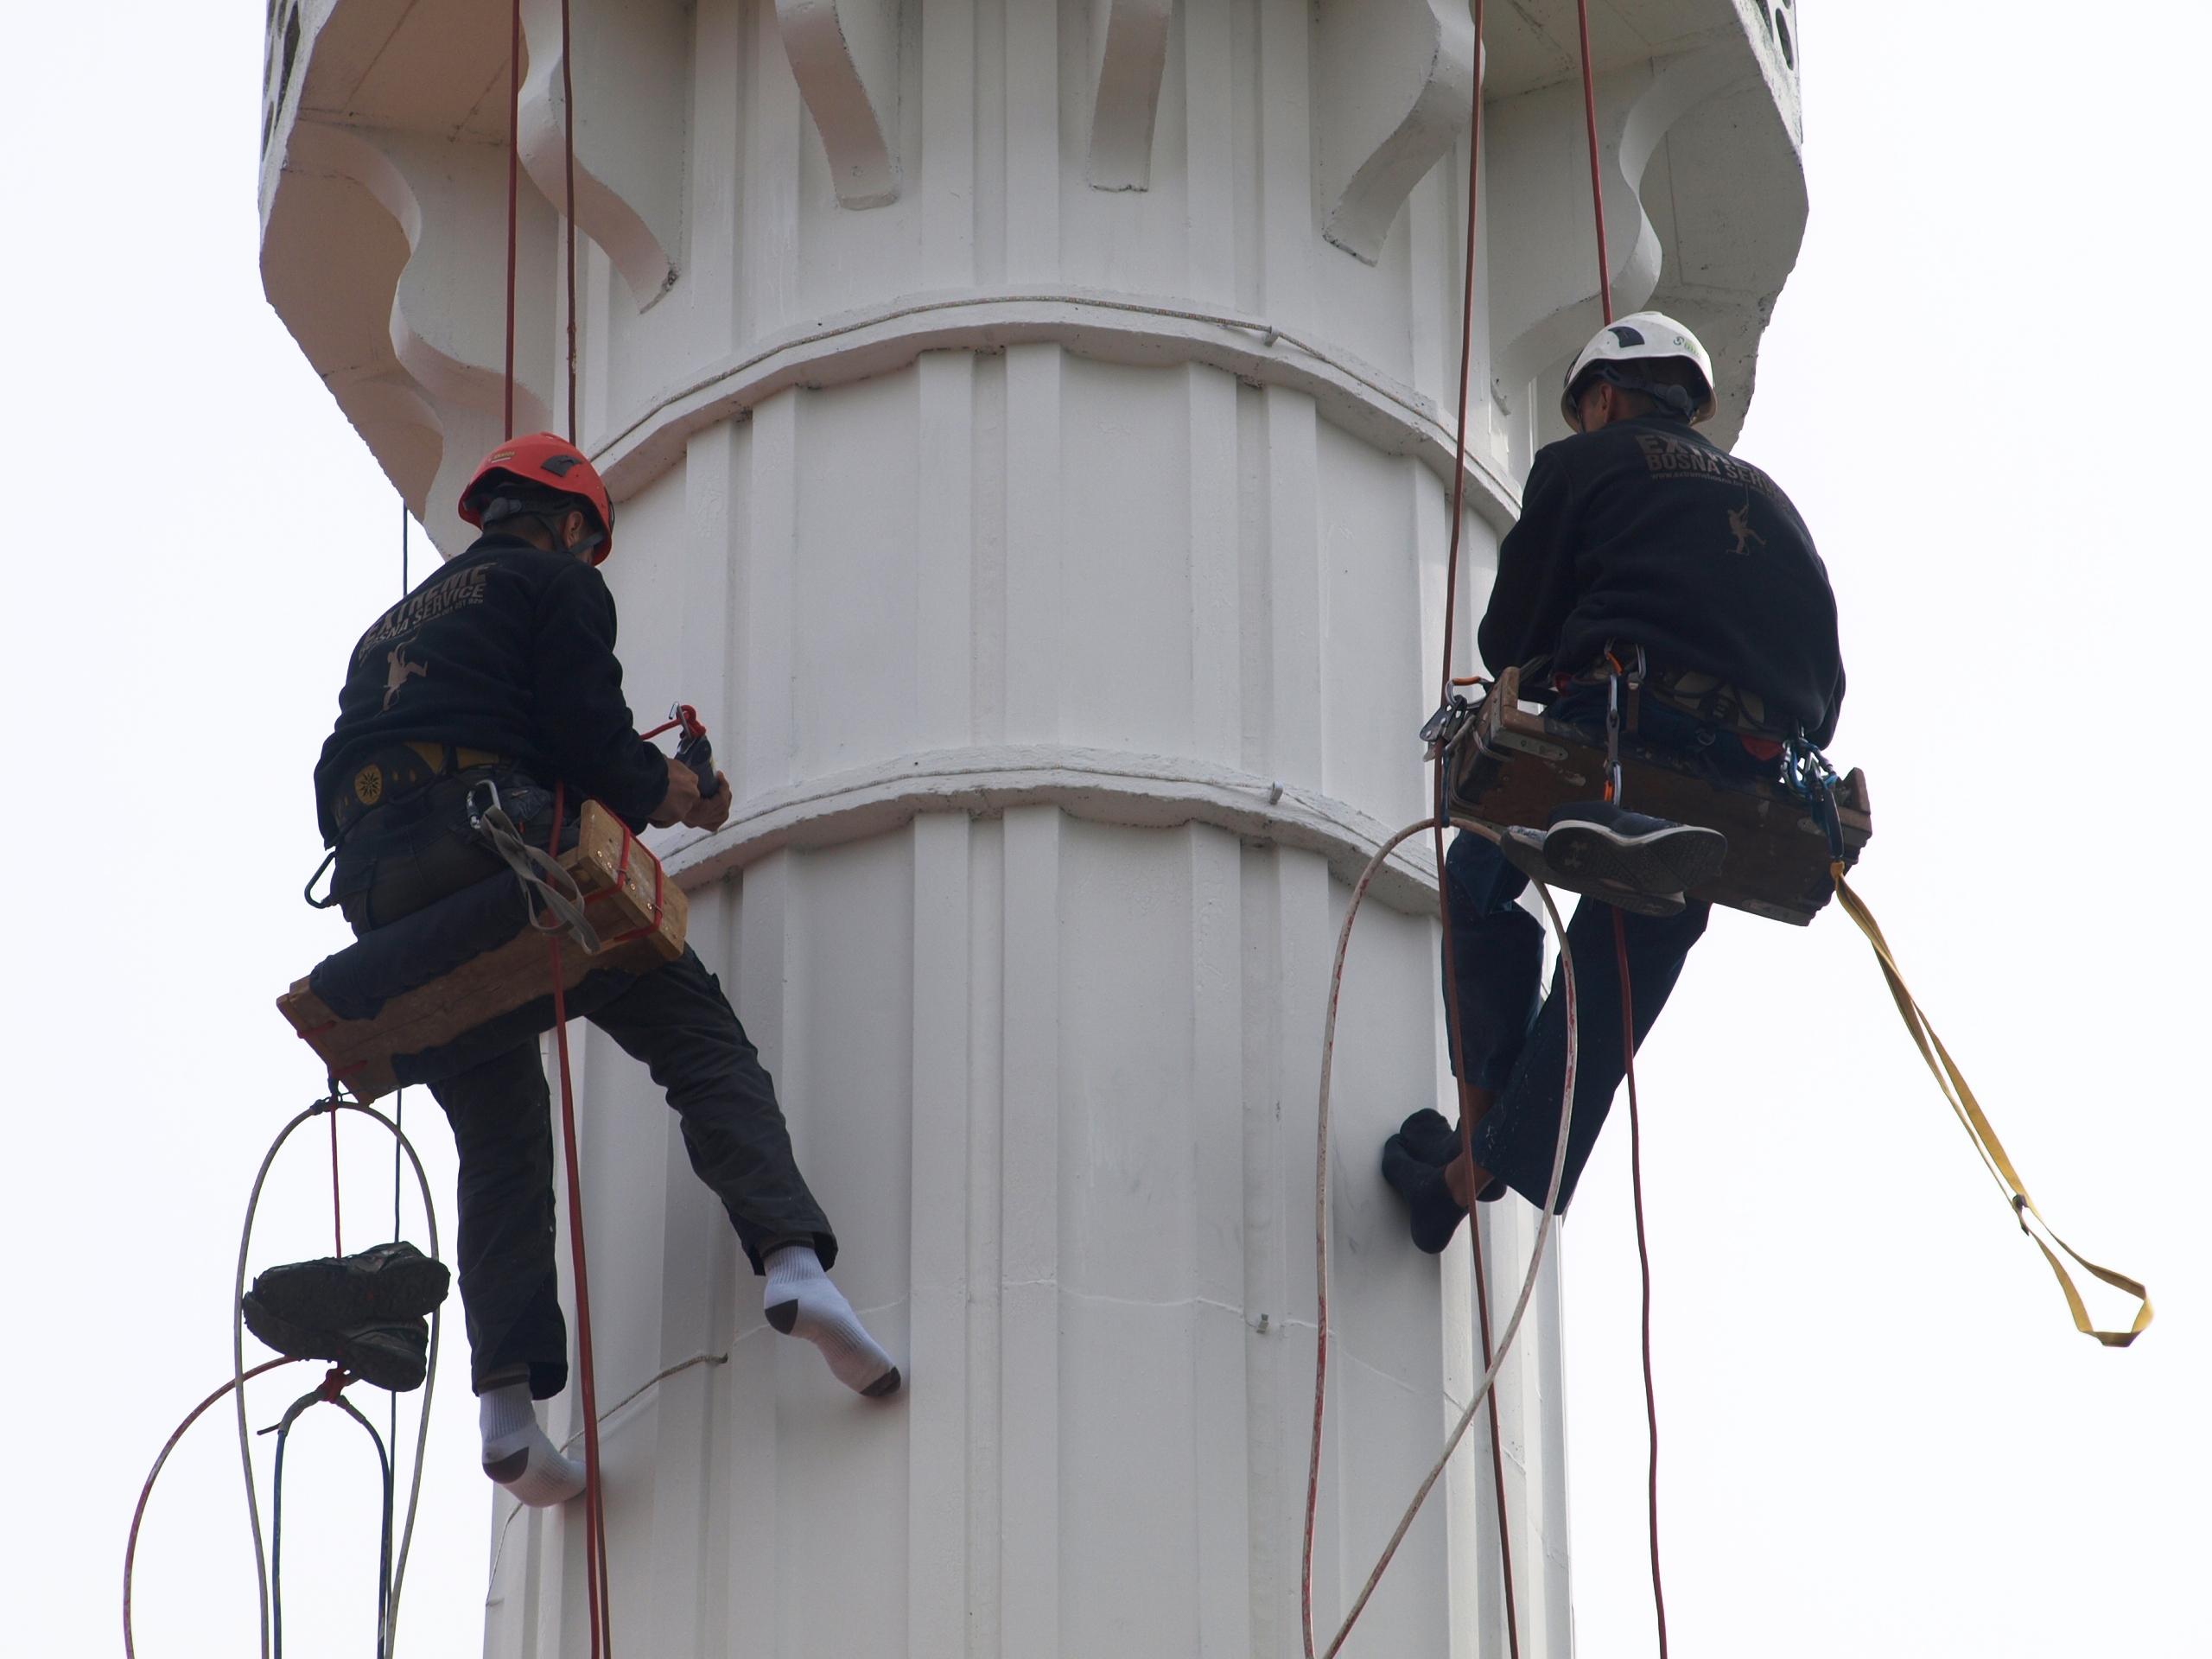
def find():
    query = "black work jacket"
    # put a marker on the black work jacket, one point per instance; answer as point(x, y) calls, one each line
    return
point(1644, 533)
point(508, 649)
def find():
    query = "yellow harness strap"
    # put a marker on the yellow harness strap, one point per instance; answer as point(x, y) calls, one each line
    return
point(1968, 1112)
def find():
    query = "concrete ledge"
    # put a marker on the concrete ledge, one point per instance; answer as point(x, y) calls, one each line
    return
point(859, 344)
point(1102, 786)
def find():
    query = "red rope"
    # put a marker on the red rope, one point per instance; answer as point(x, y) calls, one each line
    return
point(514, 167)
point(569, 195)
point(146, 1492)
point(337, 1220)
point(1596, 182)
point(1620, 926)
point(1644, 1261)
point(1443, 901)
point(596, 1588)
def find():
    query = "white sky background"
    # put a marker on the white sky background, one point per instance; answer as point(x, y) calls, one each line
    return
point(1983, 387)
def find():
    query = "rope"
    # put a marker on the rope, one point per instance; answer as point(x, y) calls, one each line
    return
point(1642, 1257)
point(1596, 182)
point(1959, 1094)
point(569, 195)
point(1321, 1244)
point(596, 1585)
point(146, 1492)
point(1620, 926)
point(1443, 898)
point(514, 167)
point(240, 1374)
point(327, 1389)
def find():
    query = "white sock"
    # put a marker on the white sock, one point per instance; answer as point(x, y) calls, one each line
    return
point(800, 1301)
point(517, 1454)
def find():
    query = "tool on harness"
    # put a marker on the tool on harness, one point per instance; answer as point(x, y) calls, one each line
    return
point(542, 881)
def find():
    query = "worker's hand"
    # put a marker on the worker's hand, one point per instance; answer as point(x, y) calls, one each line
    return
point(682, 796)
point(711, 812)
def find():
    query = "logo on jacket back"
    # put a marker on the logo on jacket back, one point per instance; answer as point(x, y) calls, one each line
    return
point(399, 671)
point(1740, 526)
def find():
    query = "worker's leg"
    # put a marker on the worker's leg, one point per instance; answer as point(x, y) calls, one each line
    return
point(1496, 952)
point(677, 1020)
point(1516, 1140)
point(502, 1130)
point(518, 1344)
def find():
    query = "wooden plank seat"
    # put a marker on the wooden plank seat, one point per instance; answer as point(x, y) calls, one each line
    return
point(485, 979)
point(1512, 766)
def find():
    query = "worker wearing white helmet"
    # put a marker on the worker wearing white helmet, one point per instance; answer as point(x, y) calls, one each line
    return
point(1640, 543)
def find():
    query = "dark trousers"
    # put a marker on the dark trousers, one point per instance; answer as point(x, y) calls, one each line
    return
point(1512, 1041)
point(675, 1019)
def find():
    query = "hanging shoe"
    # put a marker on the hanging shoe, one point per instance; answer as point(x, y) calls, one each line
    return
point(1529, 851)
point(1592, 843)
point(382, 1285)
point(393, 1355)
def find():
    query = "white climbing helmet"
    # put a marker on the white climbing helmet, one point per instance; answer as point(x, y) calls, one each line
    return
point(1640, 337)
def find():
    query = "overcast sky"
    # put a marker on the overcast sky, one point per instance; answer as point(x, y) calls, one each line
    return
point(1881, 1434)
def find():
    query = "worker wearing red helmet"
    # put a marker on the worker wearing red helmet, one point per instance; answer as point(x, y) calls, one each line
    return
point(501, 665)
point(1643, 545)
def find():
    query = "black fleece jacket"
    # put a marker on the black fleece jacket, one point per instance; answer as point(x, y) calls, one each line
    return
point(507, 648)
point(1643, 533)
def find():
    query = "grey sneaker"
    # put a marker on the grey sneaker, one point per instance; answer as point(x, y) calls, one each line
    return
point(1596, 842)
point(392, 1356)
point(378, 1285)
point(1529, 851)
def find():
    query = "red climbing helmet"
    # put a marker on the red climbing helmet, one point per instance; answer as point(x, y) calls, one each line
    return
point(521, 472)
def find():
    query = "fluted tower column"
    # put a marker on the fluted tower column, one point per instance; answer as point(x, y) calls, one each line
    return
point(1031, 427)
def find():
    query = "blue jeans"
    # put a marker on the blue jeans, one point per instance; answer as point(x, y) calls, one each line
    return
point(1513, 1042)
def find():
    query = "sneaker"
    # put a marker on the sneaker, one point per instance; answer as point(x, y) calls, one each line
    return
point(393, 1355)
point(1596, 842)
point(379, 1286)
point(1527, 851)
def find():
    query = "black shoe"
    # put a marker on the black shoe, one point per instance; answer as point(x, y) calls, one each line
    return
point(1595, 842)
point(1430, 1136)
point(393, 1355)
point(380, 1285)
point(1436, 1214)
point(1530, 852)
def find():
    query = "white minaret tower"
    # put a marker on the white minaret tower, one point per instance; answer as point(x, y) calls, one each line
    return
point(1032, 425)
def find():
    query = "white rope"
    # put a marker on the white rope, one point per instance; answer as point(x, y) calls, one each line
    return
point(238, 1368)
point(1321, 1239)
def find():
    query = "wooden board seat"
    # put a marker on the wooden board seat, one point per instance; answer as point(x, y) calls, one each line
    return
point(637, 910)
point(1509, 766)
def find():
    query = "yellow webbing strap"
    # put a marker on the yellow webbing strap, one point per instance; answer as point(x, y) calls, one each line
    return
point(1991, 1150)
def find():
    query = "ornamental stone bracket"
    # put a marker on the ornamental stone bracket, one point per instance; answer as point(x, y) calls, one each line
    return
point(844, 55)
point(1544, 300)
point(429, 373)
point(632, 66)
point(1394, 83)
point(1129, 48)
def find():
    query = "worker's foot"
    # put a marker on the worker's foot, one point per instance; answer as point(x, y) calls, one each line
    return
point(517, 1453)
point(800, 1301)
point(379, 1286)
point(1596, 842)
point(1433, 1139)
point(392, 1355)
point(1435, 1214)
